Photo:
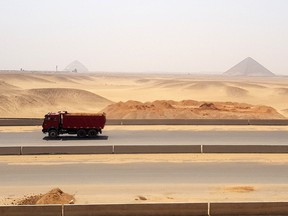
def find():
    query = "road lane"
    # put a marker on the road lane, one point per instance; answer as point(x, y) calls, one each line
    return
point(104, 180)
point(150, 137)
point(148, 173)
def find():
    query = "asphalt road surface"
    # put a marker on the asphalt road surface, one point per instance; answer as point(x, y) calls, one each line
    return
point(150, 137)
point(104, 180)
point(143, 172)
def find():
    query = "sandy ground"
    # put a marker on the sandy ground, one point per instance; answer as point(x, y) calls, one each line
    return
point(141, 158)
point(139, 193)
point(93, 92)
point(161, 193)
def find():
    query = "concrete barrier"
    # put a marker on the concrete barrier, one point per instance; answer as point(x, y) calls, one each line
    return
point(21, 121)
point(177, 122)
point(148, 149)
point(268, 122)
point(142, 149)
point(260, 208)
point(153, 209)
point(31, 150)
point(245, 149)
point(220, 122)
point(10, 150)
point(35, 210)
point(181, 209)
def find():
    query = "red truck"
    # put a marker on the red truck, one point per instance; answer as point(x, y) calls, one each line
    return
point(82, 124)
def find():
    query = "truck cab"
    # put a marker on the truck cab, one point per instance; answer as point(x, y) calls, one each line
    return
point(51, 122)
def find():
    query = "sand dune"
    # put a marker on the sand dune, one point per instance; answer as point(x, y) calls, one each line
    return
point(282, 91)
point(18, 77)
point(207, 84)
point(284, 112)
point(236, 92)
point(15, 90)
point(162, 109)
point(248, 85)
point(7, 87)
point(37, 102)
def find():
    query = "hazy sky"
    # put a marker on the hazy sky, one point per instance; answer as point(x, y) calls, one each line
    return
point(143, 35)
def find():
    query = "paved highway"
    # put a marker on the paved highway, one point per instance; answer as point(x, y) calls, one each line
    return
point(97, 179)
point(137, 173)
point(150, 137)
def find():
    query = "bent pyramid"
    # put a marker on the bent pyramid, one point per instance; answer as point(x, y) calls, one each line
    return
point(76, 66)
point(248, 67)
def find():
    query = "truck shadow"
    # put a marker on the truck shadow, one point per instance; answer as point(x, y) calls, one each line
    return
point(69, 138)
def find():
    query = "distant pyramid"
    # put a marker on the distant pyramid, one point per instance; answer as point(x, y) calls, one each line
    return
point(76, 66)
point(248, 67)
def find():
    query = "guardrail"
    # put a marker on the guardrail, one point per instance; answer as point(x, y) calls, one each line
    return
point(39, 121)
point(21, 121)
point(151, 209)
point(143, 149)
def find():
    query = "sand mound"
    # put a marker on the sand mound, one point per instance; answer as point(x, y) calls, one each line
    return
point(21, 78)
point(201, 85)
point(208, 106)
point(27, 200)
point(55, 196)
point(248, 85)
point(59, 95)
point(240, 189)
point(282, 91)
point(236, 92)
point(37, 102)
point(143, 81)
point(6, 87)
point(172, 84)
point(285, 112)
point(162, 109)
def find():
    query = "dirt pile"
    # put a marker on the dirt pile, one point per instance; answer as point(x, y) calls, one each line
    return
point(189, 109)
point(240, 189)
point(28, 200)
point(55, 196)
point(209, 106)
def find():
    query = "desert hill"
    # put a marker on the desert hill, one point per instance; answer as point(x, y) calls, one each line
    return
point(37, 102)
point(248, 67)
point(6, 87)
point(19, 91)
point(189, 109)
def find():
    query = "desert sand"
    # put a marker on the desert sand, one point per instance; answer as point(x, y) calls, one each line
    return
point(32, 94)
point(156, 193)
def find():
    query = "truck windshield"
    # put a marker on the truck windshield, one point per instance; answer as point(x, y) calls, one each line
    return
point(48, 118)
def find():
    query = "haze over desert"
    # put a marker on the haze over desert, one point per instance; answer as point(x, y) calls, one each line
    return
point(143, 107)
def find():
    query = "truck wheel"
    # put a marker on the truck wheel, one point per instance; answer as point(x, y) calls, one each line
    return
point(53, 134)
point(81, 133)
point(92, 133)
